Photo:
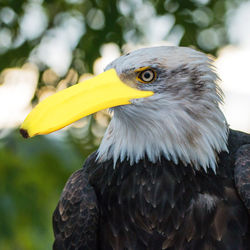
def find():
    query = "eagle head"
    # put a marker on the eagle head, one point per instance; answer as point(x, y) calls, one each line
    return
point(165, 102)
point(181, 121)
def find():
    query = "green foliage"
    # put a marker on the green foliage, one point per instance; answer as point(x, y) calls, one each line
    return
point(117, 19)
point(32, 175)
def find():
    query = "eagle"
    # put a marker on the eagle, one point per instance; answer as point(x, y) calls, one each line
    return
point(169, 172)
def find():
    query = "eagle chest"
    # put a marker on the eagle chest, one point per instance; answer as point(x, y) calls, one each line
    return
point(150, 200)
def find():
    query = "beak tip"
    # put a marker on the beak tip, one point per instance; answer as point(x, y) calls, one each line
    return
point(24, 133)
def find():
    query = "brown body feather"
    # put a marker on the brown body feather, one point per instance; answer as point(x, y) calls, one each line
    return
point(158, 205)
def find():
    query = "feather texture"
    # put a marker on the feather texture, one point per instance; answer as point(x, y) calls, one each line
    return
point(242, 174)
point(75, 220)
point(156, 205)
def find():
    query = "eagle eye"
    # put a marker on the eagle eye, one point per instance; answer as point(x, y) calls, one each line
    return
point(146, 76)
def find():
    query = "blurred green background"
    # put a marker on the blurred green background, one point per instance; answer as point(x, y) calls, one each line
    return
point(46, 46)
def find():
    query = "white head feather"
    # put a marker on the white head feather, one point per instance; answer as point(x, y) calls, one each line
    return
point(181, 121)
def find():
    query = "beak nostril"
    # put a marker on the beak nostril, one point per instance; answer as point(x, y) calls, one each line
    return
point(24, 133)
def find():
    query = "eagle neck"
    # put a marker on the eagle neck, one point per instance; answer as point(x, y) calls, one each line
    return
point(139, 131)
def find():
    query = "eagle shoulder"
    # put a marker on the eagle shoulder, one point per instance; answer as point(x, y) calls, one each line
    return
point(75, 219)
point(242, 174)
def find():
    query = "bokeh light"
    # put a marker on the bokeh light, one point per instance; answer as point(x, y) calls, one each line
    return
point(16, 92)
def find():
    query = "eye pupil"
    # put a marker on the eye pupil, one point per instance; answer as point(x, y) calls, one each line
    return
point(147, 75)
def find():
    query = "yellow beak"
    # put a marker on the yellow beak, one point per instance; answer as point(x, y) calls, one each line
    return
point(69, 105)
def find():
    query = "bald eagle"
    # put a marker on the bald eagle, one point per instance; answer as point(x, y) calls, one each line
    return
point(169, 173)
